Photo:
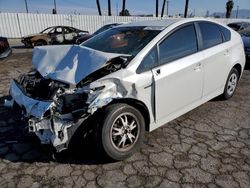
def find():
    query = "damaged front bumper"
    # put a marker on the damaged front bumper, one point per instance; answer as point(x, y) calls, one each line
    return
point(54, 130)
point(54, 121)
point(50, 128)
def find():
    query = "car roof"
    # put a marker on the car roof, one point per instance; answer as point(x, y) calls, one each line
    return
point(152, 23)
point(238, 23)
point(164, 23)
point(60, 26)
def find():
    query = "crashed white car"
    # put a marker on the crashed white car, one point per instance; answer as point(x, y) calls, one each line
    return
point(132, 78)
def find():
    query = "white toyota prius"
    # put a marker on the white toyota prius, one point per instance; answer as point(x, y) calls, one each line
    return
point(127, 80)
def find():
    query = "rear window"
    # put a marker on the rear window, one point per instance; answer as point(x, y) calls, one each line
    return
point(211, 35)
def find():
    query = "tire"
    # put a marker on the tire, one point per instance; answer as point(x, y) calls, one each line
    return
point(231, 84)
point(40, 43)
point(115, 137)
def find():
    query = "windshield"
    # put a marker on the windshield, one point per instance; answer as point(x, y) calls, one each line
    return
point(47, 30)
point(123, 40)
point(102, 29)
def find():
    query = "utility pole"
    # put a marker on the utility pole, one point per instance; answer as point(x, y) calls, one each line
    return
point(167, 6)
point(117, 9)
point(123, 7)
point(156, 8)
point(55, 6)
point(186, 8)
point(109, 7)
point(98, 7)
point(237, 12)
point(163, 7)
point(26, 5)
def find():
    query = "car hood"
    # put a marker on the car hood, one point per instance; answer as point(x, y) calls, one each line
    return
point(246, 41)
point(69, 63)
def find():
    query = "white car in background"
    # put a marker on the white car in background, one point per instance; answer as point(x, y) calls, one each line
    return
point(129, 79)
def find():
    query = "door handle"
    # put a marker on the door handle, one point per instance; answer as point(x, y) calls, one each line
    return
point(158, 71)
point(197, 67)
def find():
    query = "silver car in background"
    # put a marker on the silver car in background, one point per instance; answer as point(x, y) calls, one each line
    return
point(127, 80)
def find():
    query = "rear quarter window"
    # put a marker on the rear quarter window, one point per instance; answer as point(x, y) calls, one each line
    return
point(211, 35)
point(226, 33)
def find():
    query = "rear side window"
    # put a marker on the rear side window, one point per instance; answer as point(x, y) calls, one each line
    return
point(226, 33)
point(181, 43)
point(211, 35)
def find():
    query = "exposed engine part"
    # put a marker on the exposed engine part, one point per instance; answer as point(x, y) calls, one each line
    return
point(37, 87)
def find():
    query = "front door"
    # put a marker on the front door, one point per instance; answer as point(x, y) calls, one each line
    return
point(179, 78)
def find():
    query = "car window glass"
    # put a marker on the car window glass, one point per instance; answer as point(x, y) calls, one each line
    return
point(52, 31)
point(102, 29)
point(226, 33)
point(58, 30)
point(234, 26)
point(68, 30)
point(248, 26)
point(48, 30)
point(124, 40)
point(181, 43)
point(211, 35)
point(149, 62)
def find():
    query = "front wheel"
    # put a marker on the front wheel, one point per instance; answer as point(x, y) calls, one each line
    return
point(122, 131)
point(231, 84)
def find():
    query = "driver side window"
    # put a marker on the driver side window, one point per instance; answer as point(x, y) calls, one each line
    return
point(150, 61)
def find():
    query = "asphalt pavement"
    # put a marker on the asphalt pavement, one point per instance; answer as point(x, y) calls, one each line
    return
point(207, 147)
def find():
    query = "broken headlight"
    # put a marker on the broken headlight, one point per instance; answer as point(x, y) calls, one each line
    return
point(72, 103)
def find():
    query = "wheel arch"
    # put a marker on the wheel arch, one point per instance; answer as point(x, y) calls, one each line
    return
point(139, 105)
point(40, 40)
point(238, 67)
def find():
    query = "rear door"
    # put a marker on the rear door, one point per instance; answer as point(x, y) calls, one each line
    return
point(56, 35)
point(179, 77)
point(216, 57)
point(69, 35)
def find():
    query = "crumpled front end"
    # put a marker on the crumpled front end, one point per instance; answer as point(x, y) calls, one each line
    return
point(43, 120)
point(58, 97)
point(55, 116)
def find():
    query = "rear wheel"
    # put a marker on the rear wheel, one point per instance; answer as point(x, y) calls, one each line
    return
point(231, 84)
point(122, 131)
